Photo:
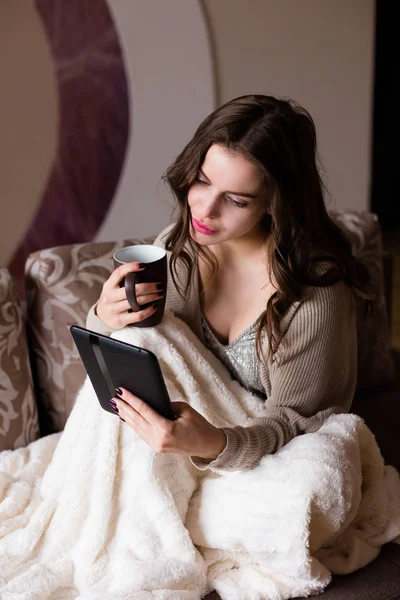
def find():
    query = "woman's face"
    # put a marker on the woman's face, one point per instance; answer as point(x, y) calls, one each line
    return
point(226, 201)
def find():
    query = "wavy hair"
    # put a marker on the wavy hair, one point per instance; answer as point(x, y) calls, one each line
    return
point(279, 137)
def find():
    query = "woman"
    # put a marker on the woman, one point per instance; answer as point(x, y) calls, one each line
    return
point(261, 274)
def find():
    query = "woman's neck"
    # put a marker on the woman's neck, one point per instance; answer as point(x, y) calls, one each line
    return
point(235, 253)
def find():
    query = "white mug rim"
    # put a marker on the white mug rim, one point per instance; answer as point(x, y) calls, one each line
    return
point(139, 247)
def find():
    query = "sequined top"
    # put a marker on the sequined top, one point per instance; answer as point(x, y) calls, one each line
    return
point(240, 356)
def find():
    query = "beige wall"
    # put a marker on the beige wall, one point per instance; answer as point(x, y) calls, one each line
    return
point(319, 52)
point(28, 119)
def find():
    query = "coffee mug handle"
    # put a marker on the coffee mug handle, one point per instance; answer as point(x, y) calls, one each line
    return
point(130, 288)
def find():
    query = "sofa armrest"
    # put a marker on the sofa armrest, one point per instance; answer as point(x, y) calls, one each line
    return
point(18, 412)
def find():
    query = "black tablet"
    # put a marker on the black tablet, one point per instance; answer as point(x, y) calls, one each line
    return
point(111, 363)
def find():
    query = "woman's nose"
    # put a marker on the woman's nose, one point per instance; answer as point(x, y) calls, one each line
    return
point(210, 206)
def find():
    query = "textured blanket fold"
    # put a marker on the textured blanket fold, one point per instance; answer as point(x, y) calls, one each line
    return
point(94, 513)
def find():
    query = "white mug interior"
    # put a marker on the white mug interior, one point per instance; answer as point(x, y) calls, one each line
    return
point(141, 253)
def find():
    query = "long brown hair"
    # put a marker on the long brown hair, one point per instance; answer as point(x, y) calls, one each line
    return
point(279, 137)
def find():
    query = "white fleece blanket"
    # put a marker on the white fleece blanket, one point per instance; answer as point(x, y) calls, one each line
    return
point(93, 513)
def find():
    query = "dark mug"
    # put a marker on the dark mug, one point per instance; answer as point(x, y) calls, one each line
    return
point(155, 260)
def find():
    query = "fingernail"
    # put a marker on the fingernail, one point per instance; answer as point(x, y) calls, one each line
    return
point(121, 419)
point(112, 402)
point(118, 392)
point(114, 408)
point(160, 287)
point(142, 265)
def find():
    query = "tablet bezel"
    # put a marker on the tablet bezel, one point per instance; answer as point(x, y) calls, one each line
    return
point(124, 365)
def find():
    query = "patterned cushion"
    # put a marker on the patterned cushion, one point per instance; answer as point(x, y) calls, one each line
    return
point(62, 283)
point(19, 423)
point(375, 361)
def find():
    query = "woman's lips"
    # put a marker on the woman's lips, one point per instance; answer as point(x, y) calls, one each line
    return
point(202, 228)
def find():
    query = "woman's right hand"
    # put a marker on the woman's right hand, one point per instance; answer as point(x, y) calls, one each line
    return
point(113, 307)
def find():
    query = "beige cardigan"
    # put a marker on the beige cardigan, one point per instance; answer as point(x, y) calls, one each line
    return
point(313, 374)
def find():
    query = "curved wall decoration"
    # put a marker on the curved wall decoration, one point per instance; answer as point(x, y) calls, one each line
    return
point(93, 126)
point(135, 78)
point(170, 72)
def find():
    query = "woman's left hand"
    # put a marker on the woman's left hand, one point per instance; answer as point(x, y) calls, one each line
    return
point(190, 434)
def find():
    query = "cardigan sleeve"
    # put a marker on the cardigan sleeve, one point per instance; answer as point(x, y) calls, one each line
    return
point(313, 376)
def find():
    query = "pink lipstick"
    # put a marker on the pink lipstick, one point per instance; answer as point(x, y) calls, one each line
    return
point(202, 228)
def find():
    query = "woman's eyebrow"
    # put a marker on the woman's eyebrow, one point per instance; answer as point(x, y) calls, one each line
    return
point(243, 194)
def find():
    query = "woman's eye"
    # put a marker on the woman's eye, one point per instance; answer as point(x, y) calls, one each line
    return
point(231, 200)
point(238, 204)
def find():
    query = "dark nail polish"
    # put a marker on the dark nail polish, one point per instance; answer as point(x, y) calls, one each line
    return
point(160, 287)
point(121, 419)
point(118, 392)
point(112, 402)
point(115, 409)
point(142, 265)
